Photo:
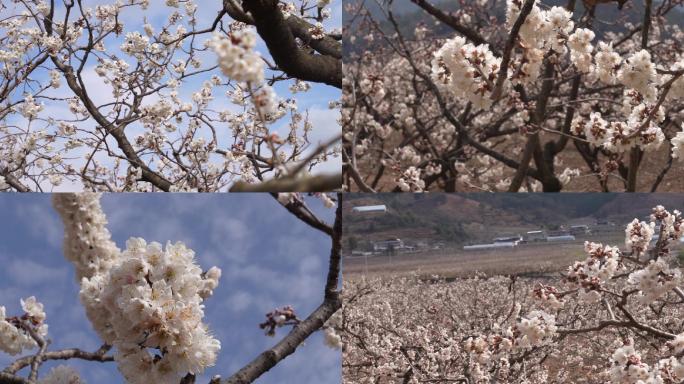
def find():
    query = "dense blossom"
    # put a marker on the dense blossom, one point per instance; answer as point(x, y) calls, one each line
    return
point(145, 296)
point(581, 48)
point(678, 144)
point(607, 62)
point(640, 74)
point(595, 100)
point(527, 329)
point(87, 241)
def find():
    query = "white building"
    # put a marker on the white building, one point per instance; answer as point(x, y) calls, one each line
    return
point(560, 238)
point(370, 209)
point(480, 247)
point(509, 239)
point(533, 236)
point(384, 245)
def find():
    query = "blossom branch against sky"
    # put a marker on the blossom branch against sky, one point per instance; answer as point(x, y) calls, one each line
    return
point(268, 258)
point(165, 95)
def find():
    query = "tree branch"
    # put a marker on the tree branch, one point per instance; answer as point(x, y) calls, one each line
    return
point(318, 183)
point(276, 32)
point(268, 359)
point(510, 43)
point(303, 213)
point(64, 354)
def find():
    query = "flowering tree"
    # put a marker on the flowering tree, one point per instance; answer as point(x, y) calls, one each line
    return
point(146, 303)
point(614, 317)
point(518, 95)
point(103, 98)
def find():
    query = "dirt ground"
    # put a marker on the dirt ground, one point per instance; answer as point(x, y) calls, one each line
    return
point(531, 259)
point(458, 263)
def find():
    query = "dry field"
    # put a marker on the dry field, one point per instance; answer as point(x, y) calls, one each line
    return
point(531, 259)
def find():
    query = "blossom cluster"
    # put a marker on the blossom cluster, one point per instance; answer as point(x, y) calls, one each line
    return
point(278, 318)
point(236, 56)
point(534, 330)
point(537, 328)
point(639, 130)
point(580, 48)
point(411, 181)
point(655, 280)
point(30, 108)
point(543, 30)
point(657, 277)
point(602, 263)
point(332, 331)
point(628, 366)
point(607, 63)
point(638, 236)
point(146, 301)
point(468, 70)
point(639, 73)
point(153, 299)
point(15, 332)
point(61, 374)
point(87, 241)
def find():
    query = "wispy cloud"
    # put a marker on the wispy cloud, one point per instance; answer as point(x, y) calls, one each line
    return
point(269, 259)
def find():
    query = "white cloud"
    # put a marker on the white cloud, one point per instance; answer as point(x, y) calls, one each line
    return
point(25, 272)
point(239, 301)
point(41, 220)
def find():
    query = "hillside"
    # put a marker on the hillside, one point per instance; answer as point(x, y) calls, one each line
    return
point(625, 207)
point(608, 17)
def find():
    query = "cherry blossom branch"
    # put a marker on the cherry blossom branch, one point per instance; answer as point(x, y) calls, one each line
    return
point(450, 21)
point(15, 183)
point(77, 86)
point(299, 209)
point(510, 43)
point(64, 354)
point(38, 358)
point(349, 169)
point(300, 332)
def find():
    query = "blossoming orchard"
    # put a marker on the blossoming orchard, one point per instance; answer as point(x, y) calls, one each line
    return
point(516, 95)
point(168, 96)
point(614, 317)
point(146, 303)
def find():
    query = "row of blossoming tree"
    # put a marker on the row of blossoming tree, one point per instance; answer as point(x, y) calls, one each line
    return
point(101, 98)
point(146, 303)
point(525, 96)
point(613, 317)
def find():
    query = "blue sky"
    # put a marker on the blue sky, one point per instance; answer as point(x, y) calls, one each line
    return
point(268, 257)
